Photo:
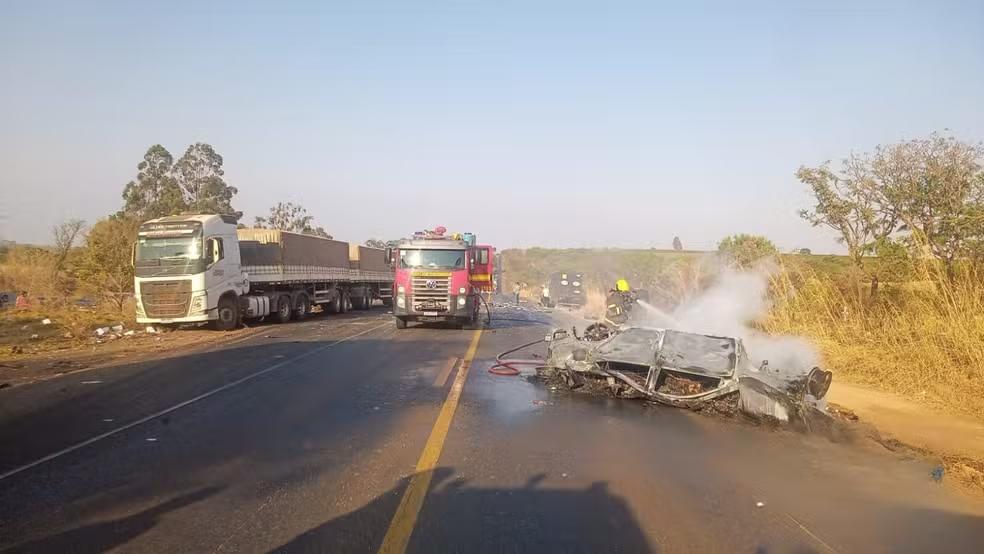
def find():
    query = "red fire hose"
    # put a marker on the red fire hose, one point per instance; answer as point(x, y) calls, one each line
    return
point(511, 366)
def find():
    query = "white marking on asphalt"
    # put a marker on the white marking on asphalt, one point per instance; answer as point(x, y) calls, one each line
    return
point(108, 420)
point(91, 382)
point(811, 534)
point(151, 439)
point(180, 405)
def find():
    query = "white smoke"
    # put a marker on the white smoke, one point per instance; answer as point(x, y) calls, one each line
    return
point(728, 308)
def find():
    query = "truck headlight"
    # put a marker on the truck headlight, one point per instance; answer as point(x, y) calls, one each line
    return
point(401, 301)
point(198, 304)
point(461, 290)
point(401, 290)
point(461, 300)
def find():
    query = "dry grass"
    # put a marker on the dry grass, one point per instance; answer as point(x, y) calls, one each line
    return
point(55, 295)
point(923, 339)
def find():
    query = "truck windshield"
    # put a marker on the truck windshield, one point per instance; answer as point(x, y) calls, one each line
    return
point(169, 248)
point(410, 259)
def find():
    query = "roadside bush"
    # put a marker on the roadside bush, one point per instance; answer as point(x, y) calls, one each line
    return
point(744, 251)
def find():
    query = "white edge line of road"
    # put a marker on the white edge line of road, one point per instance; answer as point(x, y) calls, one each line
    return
point(180, 405)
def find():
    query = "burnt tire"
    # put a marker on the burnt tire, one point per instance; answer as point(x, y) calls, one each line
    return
point(227, 314)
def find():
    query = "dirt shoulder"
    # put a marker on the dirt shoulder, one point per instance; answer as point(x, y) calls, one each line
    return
point(958, 441)
point(29, 364)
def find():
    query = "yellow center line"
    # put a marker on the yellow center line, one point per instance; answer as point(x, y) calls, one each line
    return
point(401, 527)
point(442, 377)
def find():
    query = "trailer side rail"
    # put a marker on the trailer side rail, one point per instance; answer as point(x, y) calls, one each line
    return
point(311, 274)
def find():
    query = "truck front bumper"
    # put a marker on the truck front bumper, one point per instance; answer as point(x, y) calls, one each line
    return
point(454, 311)
point(198, 318)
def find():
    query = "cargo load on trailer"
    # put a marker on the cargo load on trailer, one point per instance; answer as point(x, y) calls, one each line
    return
point(200, 268)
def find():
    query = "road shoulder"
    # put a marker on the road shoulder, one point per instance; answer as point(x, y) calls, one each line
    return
point(898, 423)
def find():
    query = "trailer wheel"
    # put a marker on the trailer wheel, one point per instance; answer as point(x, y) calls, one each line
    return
point(388, 302)
point(345, 303)
point(228, 314)
point(401, 323)
point(366, 301)
point(283, 309)
point(302, 307)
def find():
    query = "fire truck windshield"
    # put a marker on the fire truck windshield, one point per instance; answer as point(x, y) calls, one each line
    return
point(410, 259)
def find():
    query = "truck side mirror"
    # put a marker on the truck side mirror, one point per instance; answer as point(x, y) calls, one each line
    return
point(210, 248)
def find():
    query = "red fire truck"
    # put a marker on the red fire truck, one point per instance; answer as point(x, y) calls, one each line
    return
point(440, 277)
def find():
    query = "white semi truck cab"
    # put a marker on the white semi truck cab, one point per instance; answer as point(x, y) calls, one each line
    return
point(200, 268)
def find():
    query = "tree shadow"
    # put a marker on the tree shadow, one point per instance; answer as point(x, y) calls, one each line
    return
point(104, 535)
point(457, 517)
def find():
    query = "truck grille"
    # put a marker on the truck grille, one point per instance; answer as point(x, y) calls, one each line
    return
point(166, 298)
point(431, 293)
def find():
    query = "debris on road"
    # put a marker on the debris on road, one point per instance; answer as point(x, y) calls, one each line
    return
point(683, 369)
point(45, 321)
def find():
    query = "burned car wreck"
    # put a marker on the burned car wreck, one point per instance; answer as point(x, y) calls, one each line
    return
point(682, 369)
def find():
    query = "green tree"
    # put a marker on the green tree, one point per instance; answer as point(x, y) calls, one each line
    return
point(199, 175)
point(289, 216)
point(928, 192)
point(743, 251)
point(104, 264)
point(935, 187)
point(154, 193)
point(847, 202)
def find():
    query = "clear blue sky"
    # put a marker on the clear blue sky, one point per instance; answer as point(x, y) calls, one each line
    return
point(530, 123)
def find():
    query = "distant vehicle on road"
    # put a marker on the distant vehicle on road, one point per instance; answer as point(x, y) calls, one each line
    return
point(200, 268)
point(564, 288)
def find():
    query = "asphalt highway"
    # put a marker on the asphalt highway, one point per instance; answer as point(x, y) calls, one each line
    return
point(344, 434)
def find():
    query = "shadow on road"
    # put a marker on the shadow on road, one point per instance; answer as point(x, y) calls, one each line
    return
point(457, 517)
point(104, 535)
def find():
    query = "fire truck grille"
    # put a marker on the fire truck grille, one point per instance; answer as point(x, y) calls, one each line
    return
point(431, 293)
